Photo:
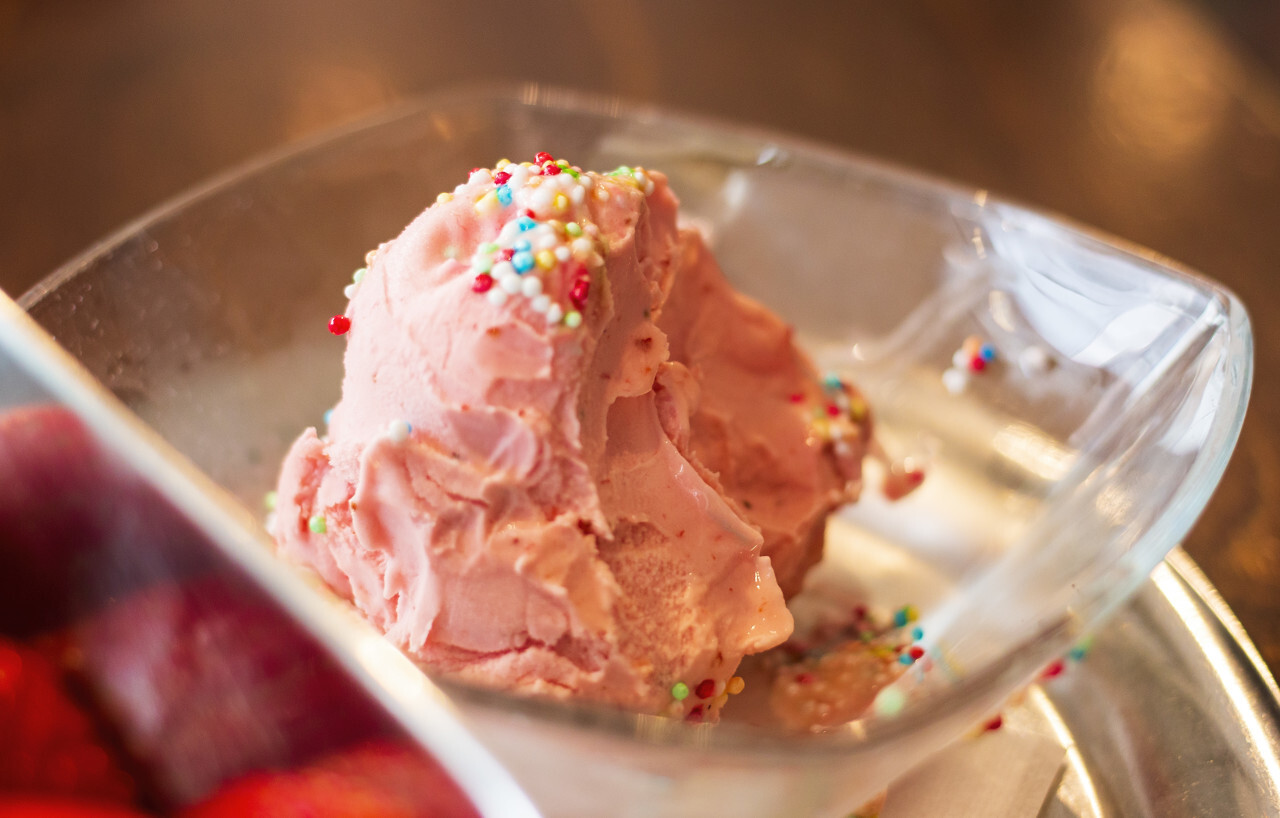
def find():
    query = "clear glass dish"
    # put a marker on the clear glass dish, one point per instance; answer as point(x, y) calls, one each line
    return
point(1058, 477)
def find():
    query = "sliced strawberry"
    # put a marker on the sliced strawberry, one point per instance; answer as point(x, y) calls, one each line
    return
point(76, 529)
point(49, 745)
point(61, 808)
point(207, 680)
point(380, 780)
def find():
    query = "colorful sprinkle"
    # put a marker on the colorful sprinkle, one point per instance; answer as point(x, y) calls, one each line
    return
point(317, 524)
point(482, 284)
point(679, 691)
point(504, 195)
point(994, 724)
point(705, 689)
point(573, 319)
point(1054, 669)
point(398, 431)
point(339, 324)
point(269, 500)
point(735, 685)
point(522, 261)
point(1081, 649)
point(889, 702)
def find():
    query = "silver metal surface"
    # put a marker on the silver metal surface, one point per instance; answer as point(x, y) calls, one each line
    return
point(1172, 713)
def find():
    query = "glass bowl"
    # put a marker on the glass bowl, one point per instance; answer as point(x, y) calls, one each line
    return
point(1058, 475)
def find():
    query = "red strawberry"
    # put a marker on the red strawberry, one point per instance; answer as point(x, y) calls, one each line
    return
point(378, 781)
point(208, 680)
point(61, 808)
point(49, 745)
point(75, 528)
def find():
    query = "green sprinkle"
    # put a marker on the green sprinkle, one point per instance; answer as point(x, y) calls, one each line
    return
point(1081, 649)
point(564, 163)
point(269, 500)
point(890, 701)
point(317, 524)
point(679, 691)
point(573, 319)
point(489, 247)
point(573, 229)
point(571, 172)
point(359, 274)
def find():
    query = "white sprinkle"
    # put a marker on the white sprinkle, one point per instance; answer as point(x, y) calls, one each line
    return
point(596, 260)
point(519, 176)
point(496, 295)
point(577, 195)
point(587, 180)
point(955, 380)
point(960, 360)
point(541, 303)
point(502, 269)
point(509, 231)
point(398, 431)
point(1033, 361)
point(602, 194)
point(562, 253)
point(582, 249)
point(547, 242)
point(541, 199)
point(480, 175)
point(531, 286)
point(510, 283)
point(554, 314)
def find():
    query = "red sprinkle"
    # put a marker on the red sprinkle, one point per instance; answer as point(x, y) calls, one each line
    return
point(796, 397)
point(505, 255)
point(994, 724)
point(977, 364)
point(860, 611)
point(915, 477)
point(542, 156)
point(551, 170)
point(528, 211)
point(695, 715)
point(706, 688)
point(501, 177)
point(916, 652)
point(339, 324)
point(578, 295)
point(482, 283)
point(833, 410)
point(804, 678)
point(473, 170)
point(1055, 668)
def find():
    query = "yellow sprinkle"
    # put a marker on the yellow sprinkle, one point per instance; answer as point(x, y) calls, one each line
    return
point(487, 204)
point(560, 202)
point(444, 197)
point(735, 685)
point(526, 164)
point(719, 701)
point(503, 162)
point(545, 259)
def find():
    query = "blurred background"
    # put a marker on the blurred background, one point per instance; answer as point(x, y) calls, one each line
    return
point(1155, 120)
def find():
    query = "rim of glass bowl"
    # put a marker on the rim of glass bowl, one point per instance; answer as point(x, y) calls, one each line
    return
point(1006, 673)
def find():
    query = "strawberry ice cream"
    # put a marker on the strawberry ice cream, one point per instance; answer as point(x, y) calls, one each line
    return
point(569, 459)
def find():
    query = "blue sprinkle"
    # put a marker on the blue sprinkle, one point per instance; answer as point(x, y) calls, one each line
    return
point(917, 634)
point(522, 246)
point(832, 382)
point(504, 195)
point(900, 618)
point(987, 352)
point(525, 223)
point(523, 262)
point(328, 416)
point(905, 659)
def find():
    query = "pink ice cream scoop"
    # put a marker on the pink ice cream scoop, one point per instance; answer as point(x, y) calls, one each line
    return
point(569, 459)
